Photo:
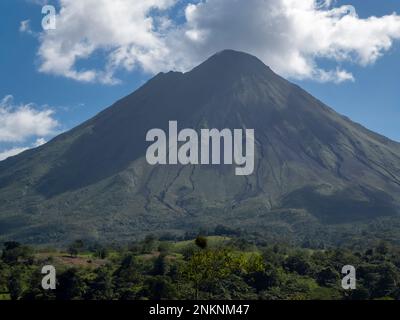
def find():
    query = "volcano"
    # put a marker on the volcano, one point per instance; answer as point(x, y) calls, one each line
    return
point(312, 166)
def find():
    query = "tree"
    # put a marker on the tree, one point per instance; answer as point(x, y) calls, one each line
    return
point(101, 252)
point(201, 242)
point(15, 287)
point(149, 243)
point(298, 264)
point(262, 280)
point(158, 288)
point(35, 290)
point(71, 286)
point(4, 276)
point(75, 247)
point(160, 266)
point(128, 278)
point(388, 281)
point(206, 266)
point(382, 248)
point(10, 245)
point(14, 252)
point(17, 282)
point(206, 269)
point(164, 247)
point(102, 287)
point(360, 293)
point(327, 277)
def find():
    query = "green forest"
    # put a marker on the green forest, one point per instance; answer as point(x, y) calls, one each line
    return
point(203, 267)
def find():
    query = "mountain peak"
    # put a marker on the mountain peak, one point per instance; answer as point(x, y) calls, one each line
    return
point(232, 62)
point(234, 53)
point(312, 166)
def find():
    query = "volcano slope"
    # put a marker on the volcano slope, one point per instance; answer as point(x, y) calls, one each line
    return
point(314, 168)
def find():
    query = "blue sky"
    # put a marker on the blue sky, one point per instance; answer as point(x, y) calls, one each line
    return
point(372, 99)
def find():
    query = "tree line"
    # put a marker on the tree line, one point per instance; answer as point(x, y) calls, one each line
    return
point(224, 268)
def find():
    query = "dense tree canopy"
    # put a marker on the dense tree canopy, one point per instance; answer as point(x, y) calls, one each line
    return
point(214, 267)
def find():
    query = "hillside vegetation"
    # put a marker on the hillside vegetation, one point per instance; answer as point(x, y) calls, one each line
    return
point(215, 267)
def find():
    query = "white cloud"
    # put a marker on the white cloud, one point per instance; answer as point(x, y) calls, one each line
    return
point(11, 152)
point(20, 122)
point(123, 28)
point(25, 27)
point(291, 36)
point(17, 150)
point(39, 142)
